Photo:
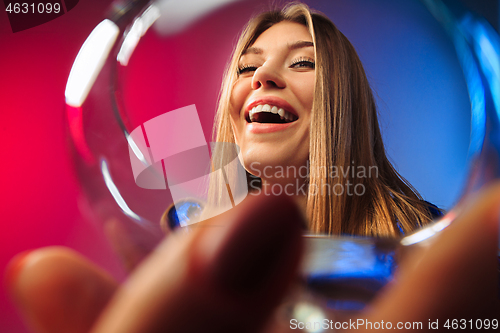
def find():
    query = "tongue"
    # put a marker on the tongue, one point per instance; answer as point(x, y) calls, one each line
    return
point(267, 117)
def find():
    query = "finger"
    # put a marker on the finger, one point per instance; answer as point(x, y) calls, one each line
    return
point(456, 277)
point(225, 277)
point(58, 291)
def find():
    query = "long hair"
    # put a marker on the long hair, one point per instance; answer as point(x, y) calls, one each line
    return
point(345, 138)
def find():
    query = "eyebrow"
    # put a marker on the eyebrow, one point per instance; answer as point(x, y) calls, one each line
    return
point(293, 46)
point(300, 44)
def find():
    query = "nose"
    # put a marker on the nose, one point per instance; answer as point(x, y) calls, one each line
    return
point(267, 77)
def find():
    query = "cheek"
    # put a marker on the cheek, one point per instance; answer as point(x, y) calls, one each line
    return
point(305, 91)
point(241, 90)
point(239, 94)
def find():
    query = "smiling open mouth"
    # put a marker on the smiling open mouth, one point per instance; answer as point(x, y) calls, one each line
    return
point(270, 114)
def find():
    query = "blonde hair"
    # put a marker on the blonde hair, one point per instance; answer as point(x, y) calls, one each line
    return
point(344, 129)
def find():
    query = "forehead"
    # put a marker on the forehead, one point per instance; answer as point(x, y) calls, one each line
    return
point(283, 33)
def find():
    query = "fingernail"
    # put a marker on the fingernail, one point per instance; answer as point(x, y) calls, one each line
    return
point(14, 267)
point(263, 239)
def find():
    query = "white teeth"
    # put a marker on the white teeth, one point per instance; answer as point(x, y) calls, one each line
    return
point(251, 113)
point(272, 109)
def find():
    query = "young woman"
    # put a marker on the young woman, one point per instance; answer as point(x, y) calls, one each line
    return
point(294, 97)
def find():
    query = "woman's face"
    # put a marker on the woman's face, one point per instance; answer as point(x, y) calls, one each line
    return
point(272, 99)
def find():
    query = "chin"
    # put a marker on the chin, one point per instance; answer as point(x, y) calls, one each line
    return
point(272, 163)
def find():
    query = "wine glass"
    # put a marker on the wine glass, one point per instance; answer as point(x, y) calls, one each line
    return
point(113, 111)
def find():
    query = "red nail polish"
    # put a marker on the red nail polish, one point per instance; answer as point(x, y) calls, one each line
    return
point(14, 267)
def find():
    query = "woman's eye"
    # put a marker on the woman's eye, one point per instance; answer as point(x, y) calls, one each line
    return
point(303, 64)
point(246, 69)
